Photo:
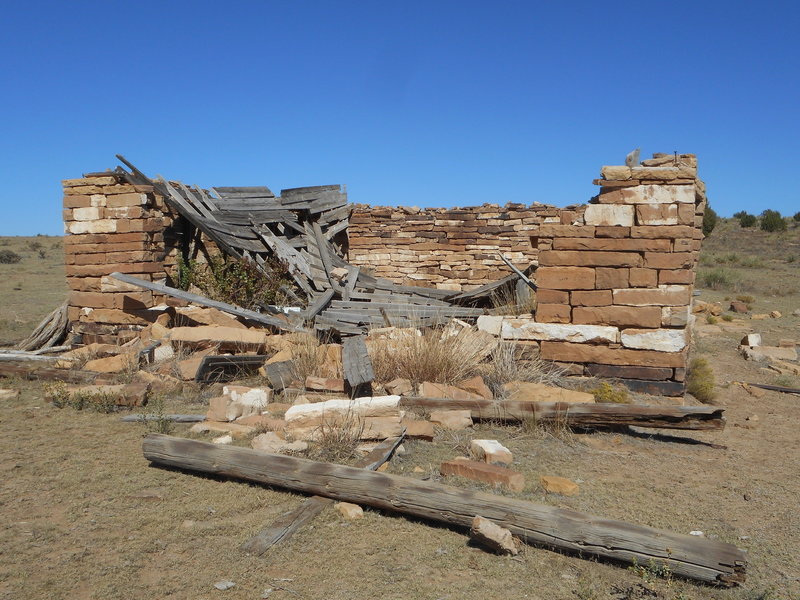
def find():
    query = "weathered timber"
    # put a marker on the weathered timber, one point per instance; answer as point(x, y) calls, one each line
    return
point(519, 273)
point(581, 415)
point(287, 524)
point(356, 363)
point(775, 388)
point(34, 371)
point(51, 330)
point(203, 301)
point(698, 558)
point(171, 418)
point(226, 367)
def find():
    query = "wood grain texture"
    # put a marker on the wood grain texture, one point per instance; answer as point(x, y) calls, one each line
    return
point(706, 560)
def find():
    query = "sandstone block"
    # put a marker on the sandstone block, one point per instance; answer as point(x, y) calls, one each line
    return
point(8, 394)
point(349, 511)
point(585, 353)
point(606, 279)
point(524, 391)
point(751, 340)
point(399, 387)
point(609, 215)
point(566, 278)
point(490, 451)
point(490, 535)
point(559, 485)
point(650, 194)
point(187, 368)
point(618, 316)
point(664, 173)
point(526, 329)
point(669, 260)
point(674, 316)
point(591, 297)
point(113, 364)
point(237, 431)
point(96, 226)
point(765, 353)
point(615, 172)
point(575, 258)
point(612, 244)
point(452, 419)
point(421, 430)
point(274, 444)
point(324, 384)
point(662, 232)
point(553, 313)
point(676, 276)
point(550, 297)
point(643, 278)
point(663, 340)
point(123, 200)
point(657, 214)
point(629, 372)
point(668, 295)
point(549, 231)
point(476, 385)
point(225, 338)
point(483, 472)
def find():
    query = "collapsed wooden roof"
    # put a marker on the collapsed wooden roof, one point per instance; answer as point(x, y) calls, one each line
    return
point(303, 227)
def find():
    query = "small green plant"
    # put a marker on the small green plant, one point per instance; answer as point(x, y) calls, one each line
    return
point(652, 571)
point(9, 257)
point(745, 298)
point(717, 279)
point(61, 396)
point(727, 318)
point(747, 220)
point(605, 392)
point(709, 220)
point(771, 220)
point(751, 262)
point(711, 319)
point(155, 420)
point(700, 382)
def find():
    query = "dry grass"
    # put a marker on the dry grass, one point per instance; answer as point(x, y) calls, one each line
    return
point(437, 354)
point(505, 365)
point(506, 302)
point(308, 354)
point(337, 438)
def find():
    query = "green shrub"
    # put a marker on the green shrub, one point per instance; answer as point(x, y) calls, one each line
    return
point(700, 382)
point(9, 257)
point(235, 281)
point(709, 220)
point(745, 299)
point(771, 220)
point(727, 318)
point(748, 220)
point(605, 392)
point(717, 279)
point(796, 216)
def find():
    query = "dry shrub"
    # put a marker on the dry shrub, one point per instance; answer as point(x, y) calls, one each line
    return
point(504, 366)
point(437, 354)
point(505, 302)
point(308, 354)
point(337, 438)
point(604, 392)
point(700, 382)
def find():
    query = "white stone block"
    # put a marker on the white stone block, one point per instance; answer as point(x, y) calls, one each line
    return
point(658, 194)
point(89, 213)
point(490, 324)
point(609, 214)
point(491, 451)
point(662, 340)
point(99, 226)
point(527, 329)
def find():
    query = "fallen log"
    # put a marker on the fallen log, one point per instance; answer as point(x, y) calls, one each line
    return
point(34, 371)
point(286, 525)
point(171, 418)
point(702, 559)
point(775, 388)
point(580, 415)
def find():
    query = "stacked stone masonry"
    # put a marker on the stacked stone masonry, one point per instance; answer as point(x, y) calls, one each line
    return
point(113, 226)
point(615, 276)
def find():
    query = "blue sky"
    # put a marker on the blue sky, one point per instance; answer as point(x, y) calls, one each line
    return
point(426, 103)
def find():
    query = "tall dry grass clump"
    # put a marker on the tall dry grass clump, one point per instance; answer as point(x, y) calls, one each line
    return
point(311, 357)
point(505, 365)
point(436, 354)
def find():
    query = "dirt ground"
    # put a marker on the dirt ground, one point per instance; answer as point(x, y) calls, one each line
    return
point(85, 516)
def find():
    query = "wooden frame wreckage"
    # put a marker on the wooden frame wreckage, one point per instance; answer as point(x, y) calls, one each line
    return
point(306, 229)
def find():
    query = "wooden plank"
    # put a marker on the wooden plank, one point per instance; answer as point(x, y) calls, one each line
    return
point(699, 558)
point(519, 273)
point(320, 303)
point(352, 279)
point(356, 363)
point(171, 418)
point(289, 523)
point(227, 367)
point(588, 415)
point(203, 301)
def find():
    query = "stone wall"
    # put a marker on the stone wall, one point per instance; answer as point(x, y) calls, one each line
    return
point(449, 248)
point(615, 276)
point(113, 226)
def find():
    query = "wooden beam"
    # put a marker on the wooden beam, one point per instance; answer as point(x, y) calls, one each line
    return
point(286, 525)
point(581, 415)
point(518, 272)
point(356, 363)
point(699, 558)
point(203, 301)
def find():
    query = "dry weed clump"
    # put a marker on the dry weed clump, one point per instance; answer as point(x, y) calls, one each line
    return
point(61, 397)
point(337, 438)
point(309, 357)
point(604, 392)
point(700, 382)
point(505, 301)
point(504, 365)
point(436, 354)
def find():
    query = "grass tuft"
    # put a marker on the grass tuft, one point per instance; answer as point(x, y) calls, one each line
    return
point(700, 382)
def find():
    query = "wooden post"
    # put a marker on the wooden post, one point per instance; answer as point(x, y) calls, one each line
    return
point(692, 557)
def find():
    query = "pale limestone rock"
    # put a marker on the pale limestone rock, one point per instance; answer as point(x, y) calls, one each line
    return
point(524, 391)
point(89, 213)
point(377, 406)
point(751, 340)
point(609, 214)
point(491, 451)
point(492, 536)
point(528, 329)
point(237, 431)
point(674, 316)
point(441, 390)
point(452, 419)
point(399, 387)
point(490, 324)
point(657, 214)
point(238, 401)
point(764, 353)
point(98, 226)
point(349, 511)
point(559, 485)
point(662, 340)
point(8, 394)
point(657, 194)
point(163, 352)
point(223, 440)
